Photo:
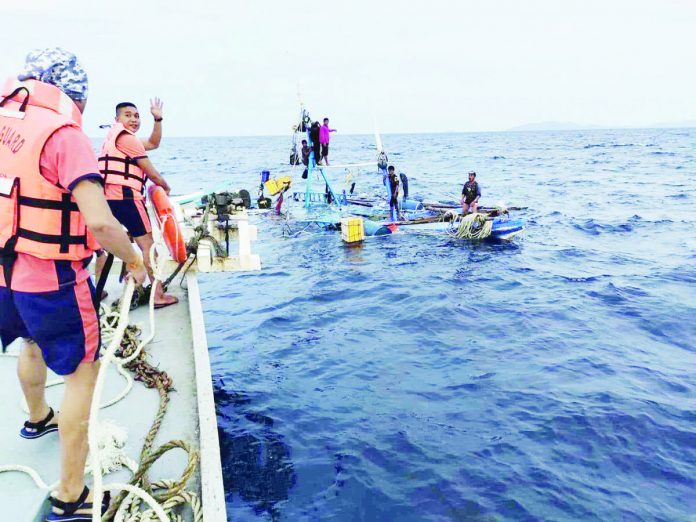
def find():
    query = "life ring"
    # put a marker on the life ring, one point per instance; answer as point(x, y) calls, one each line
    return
point(166, 219)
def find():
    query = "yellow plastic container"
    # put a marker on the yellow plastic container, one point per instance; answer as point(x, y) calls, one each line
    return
point(352, 229)
point(274, 186)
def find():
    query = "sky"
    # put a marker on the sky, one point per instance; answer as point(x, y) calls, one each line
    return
point(227, 68)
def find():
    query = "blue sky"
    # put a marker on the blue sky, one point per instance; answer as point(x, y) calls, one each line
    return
point(235, 68)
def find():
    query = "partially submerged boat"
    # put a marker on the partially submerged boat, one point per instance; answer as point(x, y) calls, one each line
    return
point(310, 210)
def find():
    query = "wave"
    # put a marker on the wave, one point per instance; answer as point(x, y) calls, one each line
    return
point(613, 145)
point(596, 228)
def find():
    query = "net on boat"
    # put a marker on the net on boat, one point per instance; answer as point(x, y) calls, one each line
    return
point(471, 226)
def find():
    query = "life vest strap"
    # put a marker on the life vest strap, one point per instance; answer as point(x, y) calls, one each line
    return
point(59, 239)
point(127, 161)
point(8, 256)
point(119, 173)
point(65, 204)
point(23, 106)
point(125, 173)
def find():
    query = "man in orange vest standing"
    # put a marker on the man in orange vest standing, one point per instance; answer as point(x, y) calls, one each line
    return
point(126, 168)
point(52, 214)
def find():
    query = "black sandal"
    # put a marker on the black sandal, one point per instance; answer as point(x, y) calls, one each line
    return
point(34, 430)
point(69, 508)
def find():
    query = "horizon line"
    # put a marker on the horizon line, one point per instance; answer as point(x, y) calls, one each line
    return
point(512, 130)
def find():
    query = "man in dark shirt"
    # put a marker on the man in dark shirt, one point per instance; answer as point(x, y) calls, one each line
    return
point(393, 181)
point(471, 193)
point(305, 157)
point(314, 138)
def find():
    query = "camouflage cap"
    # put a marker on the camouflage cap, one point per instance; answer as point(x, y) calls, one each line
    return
point(58, 67)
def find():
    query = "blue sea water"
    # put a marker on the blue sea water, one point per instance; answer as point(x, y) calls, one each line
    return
point(416, 378)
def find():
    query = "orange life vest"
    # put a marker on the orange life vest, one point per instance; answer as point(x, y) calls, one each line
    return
point(36, 217)
point(117, 167)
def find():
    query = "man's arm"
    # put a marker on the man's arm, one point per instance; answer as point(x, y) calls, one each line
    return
point(91, 201)
point(151, 171)
point(153, 141)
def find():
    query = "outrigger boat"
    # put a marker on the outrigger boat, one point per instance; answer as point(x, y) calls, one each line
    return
point(329, 210)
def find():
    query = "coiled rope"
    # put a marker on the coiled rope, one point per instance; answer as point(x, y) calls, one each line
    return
point(128, 507)
point(471, 226)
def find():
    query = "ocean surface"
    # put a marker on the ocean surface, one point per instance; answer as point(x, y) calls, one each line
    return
point(417, 378)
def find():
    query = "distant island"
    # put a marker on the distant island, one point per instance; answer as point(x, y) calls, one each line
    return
point(552, 126)
point(674, 124)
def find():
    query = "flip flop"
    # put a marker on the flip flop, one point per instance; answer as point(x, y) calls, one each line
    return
point(164, 305)
point(69, 508)
point(34, 430)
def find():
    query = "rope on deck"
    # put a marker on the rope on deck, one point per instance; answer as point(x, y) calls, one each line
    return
point(128, 507)
point(471, 226)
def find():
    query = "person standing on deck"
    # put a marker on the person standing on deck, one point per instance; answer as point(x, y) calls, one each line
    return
point(305, 157)
point(471, 193)
point(126, 168)
point(393, 181)
point(324, 138)
point(314, 132)
point(52, 213)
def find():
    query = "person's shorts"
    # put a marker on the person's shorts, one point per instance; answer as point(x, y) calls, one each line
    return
point(132, 214)
point(469, 201)
point(63, 323)
point(324, 149)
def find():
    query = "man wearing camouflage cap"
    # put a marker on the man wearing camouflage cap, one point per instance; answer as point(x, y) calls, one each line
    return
point(52, 214)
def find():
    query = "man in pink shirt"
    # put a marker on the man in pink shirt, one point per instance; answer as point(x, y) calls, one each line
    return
point(324, 137)
point(45, 299)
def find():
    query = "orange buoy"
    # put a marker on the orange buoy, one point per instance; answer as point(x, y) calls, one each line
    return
point(166, 220)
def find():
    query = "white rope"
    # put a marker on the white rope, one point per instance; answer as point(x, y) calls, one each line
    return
point(106, 360)
point(29, 471)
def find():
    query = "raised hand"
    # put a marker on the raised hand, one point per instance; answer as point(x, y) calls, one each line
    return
point(156, 108)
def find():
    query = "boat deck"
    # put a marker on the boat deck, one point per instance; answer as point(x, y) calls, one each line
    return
point(180, 349)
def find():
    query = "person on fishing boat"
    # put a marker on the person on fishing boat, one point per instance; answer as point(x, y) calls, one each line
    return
point(324, 138)
point(393, 181)
point(53, 214)
point(471, 193)
point(314, 132)
point(126, 169)
point(305, 157)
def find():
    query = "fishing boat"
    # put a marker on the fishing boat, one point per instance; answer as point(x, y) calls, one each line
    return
point(310, 210)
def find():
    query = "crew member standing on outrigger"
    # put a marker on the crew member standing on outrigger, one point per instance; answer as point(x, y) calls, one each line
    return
point(126, 169)
point(51, 202)
point(393, 181)
point(471, 193)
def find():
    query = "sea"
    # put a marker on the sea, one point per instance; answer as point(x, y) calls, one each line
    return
point(421, 378)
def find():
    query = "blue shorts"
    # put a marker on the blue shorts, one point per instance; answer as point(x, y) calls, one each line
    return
point(131, 213)
point(63, 323)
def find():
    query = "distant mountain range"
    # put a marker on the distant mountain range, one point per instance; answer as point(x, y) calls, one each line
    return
point(569, 125)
